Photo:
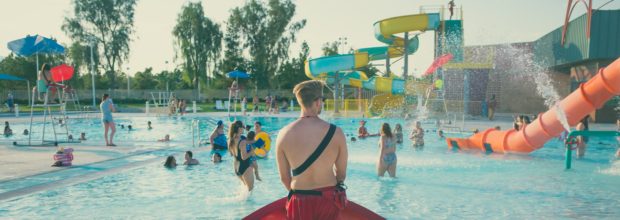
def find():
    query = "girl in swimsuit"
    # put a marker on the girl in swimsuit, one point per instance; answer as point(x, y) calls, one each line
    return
point(398, 132)
point(242, 161)
point(387, 155)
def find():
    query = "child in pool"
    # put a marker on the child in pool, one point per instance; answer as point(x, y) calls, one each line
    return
point(398, 132)
point(250, 147)
point(166, 138)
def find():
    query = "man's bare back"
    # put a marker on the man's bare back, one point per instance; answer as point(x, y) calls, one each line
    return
point(297, 141)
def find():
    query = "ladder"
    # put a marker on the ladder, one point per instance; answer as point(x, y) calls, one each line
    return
point(161, 100)
point(70, 96)
point(57, 119)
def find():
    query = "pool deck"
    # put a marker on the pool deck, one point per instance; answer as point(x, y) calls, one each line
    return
point(18, 162)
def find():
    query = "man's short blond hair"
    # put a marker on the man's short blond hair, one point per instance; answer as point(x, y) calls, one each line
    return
point(308, 91)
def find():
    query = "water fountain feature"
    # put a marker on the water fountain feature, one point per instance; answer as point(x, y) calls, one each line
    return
point(533, 70)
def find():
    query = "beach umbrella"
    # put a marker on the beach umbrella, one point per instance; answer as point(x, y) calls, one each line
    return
point(238, 74)
point(36, 45)
point(62, 72)
point(440, 61)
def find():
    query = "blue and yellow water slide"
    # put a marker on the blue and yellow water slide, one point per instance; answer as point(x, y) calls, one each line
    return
point(345, 64)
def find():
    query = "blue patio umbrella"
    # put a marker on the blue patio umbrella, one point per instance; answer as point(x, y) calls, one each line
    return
point(36, 44)
point(238, 74)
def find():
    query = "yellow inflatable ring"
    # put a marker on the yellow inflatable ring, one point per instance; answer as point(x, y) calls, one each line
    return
point(262, 144)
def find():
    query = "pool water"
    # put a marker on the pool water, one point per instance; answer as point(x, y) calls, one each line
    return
point(433, 183)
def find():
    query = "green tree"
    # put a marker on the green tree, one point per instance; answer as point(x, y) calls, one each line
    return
point(25, 67)
point(197, 41)
point(293, 71)
point(233, 56)
point(266, 30)
point(144, 79)
point(330, 49)
point(109, 23)
point(171, 79)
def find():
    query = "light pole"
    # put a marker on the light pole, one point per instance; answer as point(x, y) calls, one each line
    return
point(127, 73)
point(92, 69)
point(341, 41)
point(167, 70)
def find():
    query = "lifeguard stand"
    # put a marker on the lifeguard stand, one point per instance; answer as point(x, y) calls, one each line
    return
point(54, 114)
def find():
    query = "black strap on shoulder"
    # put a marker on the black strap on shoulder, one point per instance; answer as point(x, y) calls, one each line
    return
point(319, 150)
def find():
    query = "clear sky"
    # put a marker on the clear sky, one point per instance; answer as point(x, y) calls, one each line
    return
point(485, 22)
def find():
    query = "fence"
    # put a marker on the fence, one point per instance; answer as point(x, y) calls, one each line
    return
point(86, 96)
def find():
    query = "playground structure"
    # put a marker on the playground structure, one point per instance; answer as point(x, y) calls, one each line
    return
point(392, 92)
point(588, 97)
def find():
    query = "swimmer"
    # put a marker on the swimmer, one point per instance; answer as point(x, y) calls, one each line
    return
point(170, 162)
point(26, 132)
point(362, 132)
point(189, 159)
point(250, 147)
point(218, 137)
point(581, 143)
point(398, 133)
point(149, 125)
point(387, 146)
point(82, 136)
point(165, 139)
point(216, 158)
point(417, 136)
point(353, 139)
point(7, 129)
point(129, 127)
point(70, 137)
point(440, 134)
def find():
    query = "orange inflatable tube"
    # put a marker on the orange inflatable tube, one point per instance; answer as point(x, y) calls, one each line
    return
point(588, 97)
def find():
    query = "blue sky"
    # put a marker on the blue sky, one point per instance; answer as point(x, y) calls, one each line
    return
point(485, 22)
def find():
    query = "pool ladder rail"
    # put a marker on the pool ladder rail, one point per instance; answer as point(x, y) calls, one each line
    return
point(571, 140)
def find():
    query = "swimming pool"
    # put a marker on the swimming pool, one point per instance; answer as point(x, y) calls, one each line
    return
point(432, 183)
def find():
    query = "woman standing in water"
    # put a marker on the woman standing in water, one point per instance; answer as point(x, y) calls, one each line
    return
point(242, 161)
point(107, 107)
point(218, 137)
point(387, 155)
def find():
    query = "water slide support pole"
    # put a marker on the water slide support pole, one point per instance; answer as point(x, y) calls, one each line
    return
point(406, 63)
point(387, 63)
point(336, 82)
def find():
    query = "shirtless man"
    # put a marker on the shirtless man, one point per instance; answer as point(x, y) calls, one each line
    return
point(296, 142)
point(189, 159)
point(362, 132)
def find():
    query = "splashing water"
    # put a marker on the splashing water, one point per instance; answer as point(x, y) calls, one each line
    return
point(525, 63)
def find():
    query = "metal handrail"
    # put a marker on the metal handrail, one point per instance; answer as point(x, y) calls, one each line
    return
point(573, 134)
